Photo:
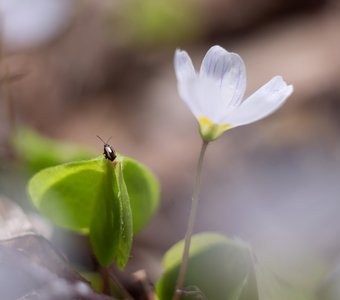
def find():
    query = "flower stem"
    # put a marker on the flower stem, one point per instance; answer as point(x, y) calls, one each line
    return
point(104, 272)
point(191, 222)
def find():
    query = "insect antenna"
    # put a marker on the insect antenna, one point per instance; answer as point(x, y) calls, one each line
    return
point(101, 139)
point(109, 139)
point(105, 143)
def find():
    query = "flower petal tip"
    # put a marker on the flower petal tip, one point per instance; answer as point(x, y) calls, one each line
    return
point(288, 88)
point(217, 48)
point(278, 85)
point(183, 65)
point(179, 51)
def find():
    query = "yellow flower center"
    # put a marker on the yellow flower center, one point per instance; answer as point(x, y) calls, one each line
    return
point(210, 131)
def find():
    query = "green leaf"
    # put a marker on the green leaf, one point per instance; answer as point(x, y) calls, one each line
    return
point(126, 232)
point(239, 290)
point(143, 189)
point(111, 227)
point(88, 196)
point(38, 152)
point(94, 278)
point(153, 22)
point(93, 197)
point(106, 221)
point(66, 194)
point(221, 268)
point(328, 288)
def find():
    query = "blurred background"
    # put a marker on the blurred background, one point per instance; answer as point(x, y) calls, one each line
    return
point(77, 69)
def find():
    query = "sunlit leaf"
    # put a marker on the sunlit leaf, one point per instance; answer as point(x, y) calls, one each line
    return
point(93, 197)
point(221, 268)
point(66, 194)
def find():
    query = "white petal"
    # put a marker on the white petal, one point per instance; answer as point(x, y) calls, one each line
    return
point(228, 72)
point(203, 98)
point(262, 103)
point(183, 66)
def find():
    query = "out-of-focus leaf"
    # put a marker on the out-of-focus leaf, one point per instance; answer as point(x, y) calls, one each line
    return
point(329, 288)
point(153, 22)
point(217, 266)
point(239, 290)
point(38, 152)
point(94, 278)
point(271, 287)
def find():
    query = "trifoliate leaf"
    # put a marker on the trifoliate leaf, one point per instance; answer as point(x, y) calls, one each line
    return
point(93, 197)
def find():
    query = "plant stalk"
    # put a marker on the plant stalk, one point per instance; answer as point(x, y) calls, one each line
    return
point(191, 222)
point(105, 274)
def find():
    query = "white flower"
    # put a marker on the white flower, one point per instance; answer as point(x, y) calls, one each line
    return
point(215, 95)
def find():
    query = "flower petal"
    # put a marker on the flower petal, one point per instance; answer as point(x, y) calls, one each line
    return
point(203, 98)
point(227, 71)
point(183, 66)
point(262, 103)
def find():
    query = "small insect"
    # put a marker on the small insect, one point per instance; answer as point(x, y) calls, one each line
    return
point(109, 153)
